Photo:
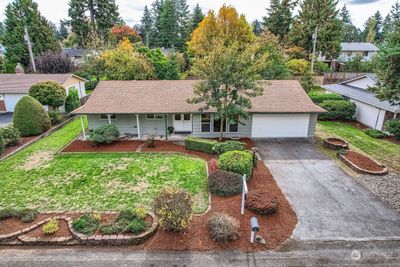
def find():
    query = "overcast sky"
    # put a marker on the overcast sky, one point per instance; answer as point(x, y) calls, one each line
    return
point(131, 10)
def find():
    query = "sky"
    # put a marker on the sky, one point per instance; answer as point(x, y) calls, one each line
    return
point(131, 10)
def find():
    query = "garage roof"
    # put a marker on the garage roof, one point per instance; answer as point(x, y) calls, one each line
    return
point(20, 83)
point(141, 97)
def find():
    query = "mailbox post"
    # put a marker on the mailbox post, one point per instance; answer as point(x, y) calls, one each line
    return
point(244, 193)
point(255, 227)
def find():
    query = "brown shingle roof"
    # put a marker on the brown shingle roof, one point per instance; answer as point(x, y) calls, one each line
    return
point(20, 83)
point(124, 97)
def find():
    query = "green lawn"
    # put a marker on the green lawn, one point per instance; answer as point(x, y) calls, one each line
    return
point(383, 151)
point(36, 178)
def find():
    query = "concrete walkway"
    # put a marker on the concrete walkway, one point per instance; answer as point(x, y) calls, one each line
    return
point(330, 205)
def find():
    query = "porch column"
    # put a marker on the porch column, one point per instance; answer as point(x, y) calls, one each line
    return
point(166, 126)
point(109, 118)
point(83, 128)
point(138, 126)
point(395, 116)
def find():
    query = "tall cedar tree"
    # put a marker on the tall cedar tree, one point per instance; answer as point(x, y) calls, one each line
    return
point(157, 8)
point(373, 28)
point(392, 20)
point(228, 26)
point(169, 27)
point(146, 26)
point(350, 33)
point(22, 13)
point(103, 15)
point(257, 27)
point(196, 18)
point(228, 80)
point(280, 17)
point(388, 69)
point(183, 17)
point(321, 13)
point(63, 30)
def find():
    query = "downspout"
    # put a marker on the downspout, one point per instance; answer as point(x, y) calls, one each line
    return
point(377, 119)
point(138, 126)
point(83, 128)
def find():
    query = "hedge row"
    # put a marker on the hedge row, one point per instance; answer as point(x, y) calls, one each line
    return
point(199, 144)
point(338, 110)
point(319, 98)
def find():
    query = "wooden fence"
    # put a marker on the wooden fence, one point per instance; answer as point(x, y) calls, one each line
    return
point(337, 77)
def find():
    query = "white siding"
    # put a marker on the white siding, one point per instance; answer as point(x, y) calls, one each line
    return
point(369, 115)
point(11, 100)
point(280, 125)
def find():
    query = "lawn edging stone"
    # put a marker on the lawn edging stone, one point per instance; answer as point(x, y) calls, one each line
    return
point(361, 170)
point(116, 240)
point(330, 143)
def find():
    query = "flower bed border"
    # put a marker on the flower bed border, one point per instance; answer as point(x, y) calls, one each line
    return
point(361, 170)
point(333, 146)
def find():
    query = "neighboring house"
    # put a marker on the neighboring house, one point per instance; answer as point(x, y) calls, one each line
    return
point(351, 50)
point(15, 86)
point(370, 110)
point(75, 54)
point(142, 108)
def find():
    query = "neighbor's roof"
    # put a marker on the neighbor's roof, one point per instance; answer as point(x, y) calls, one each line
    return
point(361, 95)
point(141, 97)
point(74, 52)
point(20, 83)
point(358, 47)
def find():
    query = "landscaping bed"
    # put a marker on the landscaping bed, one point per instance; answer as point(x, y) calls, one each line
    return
point(21, 143)
point(335, 143)
point(88, 146)
point(362, 163)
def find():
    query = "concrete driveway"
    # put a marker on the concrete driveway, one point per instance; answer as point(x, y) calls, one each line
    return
point(5, 119)
point(330, 205)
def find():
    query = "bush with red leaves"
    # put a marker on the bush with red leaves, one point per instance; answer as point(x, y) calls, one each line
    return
point(213, 165)
point(262, 202)
point(224, 183)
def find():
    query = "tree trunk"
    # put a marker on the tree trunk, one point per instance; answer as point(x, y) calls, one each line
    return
point(221, 130)
point(91, 11)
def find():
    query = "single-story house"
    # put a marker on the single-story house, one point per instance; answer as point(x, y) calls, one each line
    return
point(351, 50)
point(14, 86)
point(142, 108)
point(370, 110)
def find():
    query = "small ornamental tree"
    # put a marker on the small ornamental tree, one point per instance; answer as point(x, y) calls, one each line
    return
point(72, 101)
point(30, 118)
point(48, 93)
point(51, 62)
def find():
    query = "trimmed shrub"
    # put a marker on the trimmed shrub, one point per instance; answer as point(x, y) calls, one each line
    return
point(28, 215)
point(240, 162)
point(223, 183)
point(110, 229)
point(173, 207)
point(72, 101)
point(55, 117)
point(48, 93)
point(222, 147)
point(140, 212)
point(1, 144)
point(224, 228)
point(30, 118)
point(338, 110)
point(10, 135)
point(318, 98)
point(136, 226)
point(200, 144)
point(105, 134)
point(51, 227)
point(375, 133)
point(262, 202)
point(393, 127)
point(85, 224)
point(8, 213)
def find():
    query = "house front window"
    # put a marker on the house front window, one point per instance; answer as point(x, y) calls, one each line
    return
point(154, 116)
point(217, 125)
point(234, 127)
point(205, 123)
point(105, 117)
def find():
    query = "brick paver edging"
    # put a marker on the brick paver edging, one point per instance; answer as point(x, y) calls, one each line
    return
point(120, 239)
point(361, 170)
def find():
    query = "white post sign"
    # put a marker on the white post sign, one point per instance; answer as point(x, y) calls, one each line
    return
point(244, 193)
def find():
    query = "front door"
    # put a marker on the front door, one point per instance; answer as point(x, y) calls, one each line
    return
point(183, 123)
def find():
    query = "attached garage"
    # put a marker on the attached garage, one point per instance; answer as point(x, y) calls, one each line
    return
point(10, 100)
point(280, 125)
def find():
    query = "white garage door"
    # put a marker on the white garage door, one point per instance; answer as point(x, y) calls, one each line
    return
point(11, 100)
point(280, 125)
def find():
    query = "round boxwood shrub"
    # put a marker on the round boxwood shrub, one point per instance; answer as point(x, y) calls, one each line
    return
point(48, 93)
point(338, 110)
point(222, 147)
point(240, 162)
point(173, 208)
point(262, 202)
point(224, 228)
point(30, 118)
point(393, 127)
point(224, 183)
point(105, 134)
point(10, 135)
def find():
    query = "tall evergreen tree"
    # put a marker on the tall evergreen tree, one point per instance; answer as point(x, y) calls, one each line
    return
point(183, 18)
point(2, 30)
point(257, 27)
point(197, 17)
point(146, 25)
point(22, 13)
point(345, 15)
point(323, 16)
point(280, 17)
point(395, 14)
point(103, 15)
point(63, 30)
point(169, 26)
point(350, 33)
point(156, 10)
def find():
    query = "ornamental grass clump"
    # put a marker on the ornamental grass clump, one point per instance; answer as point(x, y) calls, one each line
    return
point(51, 227)
point(173, 207)
point(224, 228)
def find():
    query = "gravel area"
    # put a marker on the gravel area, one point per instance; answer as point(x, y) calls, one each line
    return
point(386, 187)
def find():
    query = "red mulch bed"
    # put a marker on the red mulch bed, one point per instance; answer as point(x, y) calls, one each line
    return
point(22, 142)
point(63, 231)
point(118, 146)
point(12, 225)
point(363, 161)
